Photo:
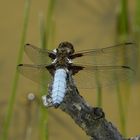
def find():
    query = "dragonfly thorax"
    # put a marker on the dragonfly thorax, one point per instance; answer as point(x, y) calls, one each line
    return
point(63, 53)
point(62, 62)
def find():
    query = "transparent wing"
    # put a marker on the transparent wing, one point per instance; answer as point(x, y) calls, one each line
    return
point(37, 55)
point(36, 73)
point(121, 54)
point(100, 76)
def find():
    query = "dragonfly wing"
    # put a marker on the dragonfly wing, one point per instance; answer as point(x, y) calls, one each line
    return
point(100, 76)
point(121, 54)
point(38, 55)
point(36, 73)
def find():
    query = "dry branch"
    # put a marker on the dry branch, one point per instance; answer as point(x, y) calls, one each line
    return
point(91, 119)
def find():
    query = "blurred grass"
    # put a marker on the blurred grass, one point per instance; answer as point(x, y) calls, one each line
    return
point(137, 32)
point(43, 127)
point(46, 31)
point(122, 21)
point(137, 22)
point(11, 102)
point(99, 96)
point(50, 23)
point(122, 35)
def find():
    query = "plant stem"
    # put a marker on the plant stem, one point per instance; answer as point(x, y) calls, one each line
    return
point(12, 98)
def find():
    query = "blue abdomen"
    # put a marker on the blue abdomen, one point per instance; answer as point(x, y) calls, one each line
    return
point(59, 86)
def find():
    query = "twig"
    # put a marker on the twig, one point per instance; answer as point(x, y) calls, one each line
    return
point(90, 119)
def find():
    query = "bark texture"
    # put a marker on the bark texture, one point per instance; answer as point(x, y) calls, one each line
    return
point(91, 119)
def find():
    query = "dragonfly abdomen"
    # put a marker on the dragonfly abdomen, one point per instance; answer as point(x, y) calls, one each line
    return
point(59, 86)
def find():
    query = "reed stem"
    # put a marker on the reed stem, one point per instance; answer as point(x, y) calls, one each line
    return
point(12, 97)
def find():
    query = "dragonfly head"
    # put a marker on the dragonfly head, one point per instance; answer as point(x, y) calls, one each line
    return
point(65, 47)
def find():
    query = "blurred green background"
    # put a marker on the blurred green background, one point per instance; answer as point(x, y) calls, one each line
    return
point(87, 24)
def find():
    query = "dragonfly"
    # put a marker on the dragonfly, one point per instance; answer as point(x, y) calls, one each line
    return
point(89, 68)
